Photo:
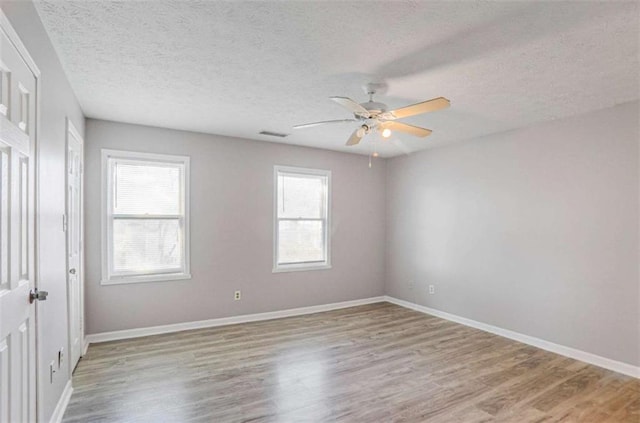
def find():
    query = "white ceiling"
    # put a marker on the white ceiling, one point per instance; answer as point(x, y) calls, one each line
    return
point(236, 68)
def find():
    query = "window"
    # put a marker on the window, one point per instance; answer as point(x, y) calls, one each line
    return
point(145, 217)
point(301, 235)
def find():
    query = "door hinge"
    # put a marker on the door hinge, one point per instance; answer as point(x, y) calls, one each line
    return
point(64, 223)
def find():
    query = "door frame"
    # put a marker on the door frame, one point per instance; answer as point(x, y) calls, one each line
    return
point(12, 35)
point(71, 131)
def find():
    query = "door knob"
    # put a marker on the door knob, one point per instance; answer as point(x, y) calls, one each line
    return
point(72, 271)
point(37, 295)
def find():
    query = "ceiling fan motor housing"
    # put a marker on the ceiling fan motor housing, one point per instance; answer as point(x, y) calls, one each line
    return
point(374, 107)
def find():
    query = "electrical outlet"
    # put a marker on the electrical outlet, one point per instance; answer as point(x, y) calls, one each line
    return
point(237, 295)
point(432, 289)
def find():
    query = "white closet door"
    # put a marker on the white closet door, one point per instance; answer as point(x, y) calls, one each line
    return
point(17, 237)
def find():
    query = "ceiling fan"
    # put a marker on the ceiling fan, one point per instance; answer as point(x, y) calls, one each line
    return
point(374, 116)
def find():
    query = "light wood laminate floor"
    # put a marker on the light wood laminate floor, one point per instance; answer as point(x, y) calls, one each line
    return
point(374, 363)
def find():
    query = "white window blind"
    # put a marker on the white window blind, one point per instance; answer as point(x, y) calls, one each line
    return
point(301, 219)
point(145, 223)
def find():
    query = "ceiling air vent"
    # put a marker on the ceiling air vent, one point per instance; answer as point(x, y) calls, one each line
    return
point(273, 134)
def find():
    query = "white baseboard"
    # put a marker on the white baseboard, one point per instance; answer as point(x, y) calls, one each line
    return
point(85, 346)
point(58, 413)
point(178, 327)
point(584, 356)
point(596, 360)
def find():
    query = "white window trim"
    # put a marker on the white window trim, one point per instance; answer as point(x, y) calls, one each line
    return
point(297, 267)
point(107, 232)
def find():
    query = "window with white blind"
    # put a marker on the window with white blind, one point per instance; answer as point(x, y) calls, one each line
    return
point(145, 221)
point(301, 228)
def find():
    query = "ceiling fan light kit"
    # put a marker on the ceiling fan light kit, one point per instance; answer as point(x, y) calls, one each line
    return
point(374, 116)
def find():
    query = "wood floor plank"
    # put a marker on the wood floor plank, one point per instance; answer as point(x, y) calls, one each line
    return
point(373, 363)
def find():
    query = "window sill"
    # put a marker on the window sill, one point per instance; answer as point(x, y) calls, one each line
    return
point(147, 278)
point(303, 268)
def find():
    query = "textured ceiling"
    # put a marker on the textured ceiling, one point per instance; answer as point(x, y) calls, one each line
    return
point(236, 68)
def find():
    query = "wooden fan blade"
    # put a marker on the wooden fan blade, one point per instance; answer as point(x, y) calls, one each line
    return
point(416, 109)
point(309, 125)
point(354, 138)
point(409, 129)
point(352, 106)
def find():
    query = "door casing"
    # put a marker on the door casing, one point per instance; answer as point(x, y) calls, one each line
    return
point(73, 137)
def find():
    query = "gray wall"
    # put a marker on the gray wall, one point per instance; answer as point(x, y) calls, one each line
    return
point(232, 231)
point(57, 102)
point(533, 230)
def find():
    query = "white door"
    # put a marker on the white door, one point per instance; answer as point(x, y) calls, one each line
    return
point(17, 218)
point(74, 243)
